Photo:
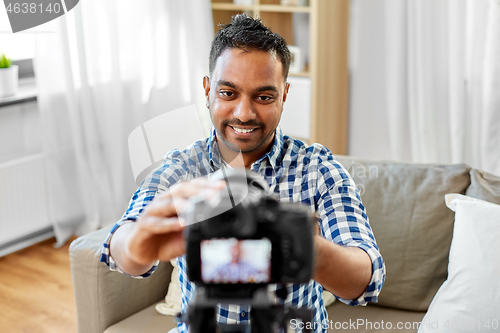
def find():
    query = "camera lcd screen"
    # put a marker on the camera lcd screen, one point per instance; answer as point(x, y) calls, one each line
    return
point(234, 260)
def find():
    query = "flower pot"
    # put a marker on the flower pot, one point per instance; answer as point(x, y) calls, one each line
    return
point(8, 81)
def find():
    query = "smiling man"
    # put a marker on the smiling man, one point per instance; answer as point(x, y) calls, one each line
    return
point(245, 95)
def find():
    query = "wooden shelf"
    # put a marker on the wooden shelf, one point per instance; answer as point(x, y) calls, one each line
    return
point(284, 9)
point(261, 8)
point(300, 74)
point(230, 6)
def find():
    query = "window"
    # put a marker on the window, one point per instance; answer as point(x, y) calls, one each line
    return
point(20, 47)
point(15, 46)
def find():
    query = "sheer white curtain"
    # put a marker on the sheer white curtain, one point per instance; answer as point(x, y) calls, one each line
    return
point(426, 81)
point(107, 67)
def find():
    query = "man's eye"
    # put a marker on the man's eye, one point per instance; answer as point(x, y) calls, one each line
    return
point(227, 93)
point(264, 98)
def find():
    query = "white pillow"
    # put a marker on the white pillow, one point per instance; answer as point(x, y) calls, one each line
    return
point(328, 298)
point(469, 300)
point(172, 305)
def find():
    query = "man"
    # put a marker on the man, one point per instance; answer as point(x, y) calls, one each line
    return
point(245, 94)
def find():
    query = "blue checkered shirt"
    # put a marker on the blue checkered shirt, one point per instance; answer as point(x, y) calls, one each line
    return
point(296, 173)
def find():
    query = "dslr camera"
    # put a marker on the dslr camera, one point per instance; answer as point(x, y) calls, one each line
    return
point(238, 242)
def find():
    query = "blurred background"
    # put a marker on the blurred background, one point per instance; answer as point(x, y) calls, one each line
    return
point(405, 80)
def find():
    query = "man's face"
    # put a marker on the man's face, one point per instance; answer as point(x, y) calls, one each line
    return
point(245, 96)
point(235, 253)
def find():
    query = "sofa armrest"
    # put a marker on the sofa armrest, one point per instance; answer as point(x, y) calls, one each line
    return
point(104, 297)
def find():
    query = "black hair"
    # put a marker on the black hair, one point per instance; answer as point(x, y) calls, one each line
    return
point(248, 33)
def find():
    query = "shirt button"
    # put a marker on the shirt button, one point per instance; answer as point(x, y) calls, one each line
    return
point(243, 314)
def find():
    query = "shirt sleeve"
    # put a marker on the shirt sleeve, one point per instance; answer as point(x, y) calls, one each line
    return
point(343, 220)
point(171, 171)
point(110, 262)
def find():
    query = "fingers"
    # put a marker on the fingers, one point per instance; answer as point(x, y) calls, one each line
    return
point(165, 207)
point(191, 188)
point(155, 240)
point(174, 201)
point(159, 225)
point(158, 232)
point(198, 186)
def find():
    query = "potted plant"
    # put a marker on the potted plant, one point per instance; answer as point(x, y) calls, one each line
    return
point(8, 77)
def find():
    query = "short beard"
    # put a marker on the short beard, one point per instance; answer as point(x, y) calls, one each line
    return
point(234, 147)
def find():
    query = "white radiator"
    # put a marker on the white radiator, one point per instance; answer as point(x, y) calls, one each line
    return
point(23, 202)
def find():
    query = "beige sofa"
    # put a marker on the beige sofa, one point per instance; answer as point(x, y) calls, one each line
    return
point(412, 225)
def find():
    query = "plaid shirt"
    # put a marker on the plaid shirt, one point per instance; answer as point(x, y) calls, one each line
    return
point(296, 173)
point(234, 273)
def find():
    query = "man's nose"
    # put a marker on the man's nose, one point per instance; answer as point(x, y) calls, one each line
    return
point(244, 110)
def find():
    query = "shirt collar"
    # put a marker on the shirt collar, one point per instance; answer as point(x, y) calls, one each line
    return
point(274, 155)
point(214, 155)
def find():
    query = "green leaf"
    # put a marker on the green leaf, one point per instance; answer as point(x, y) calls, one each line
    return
point(5, 62)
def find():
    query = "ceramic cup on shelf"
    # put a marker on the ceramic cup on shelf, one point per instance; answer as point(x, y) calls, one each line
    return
point(9, 81)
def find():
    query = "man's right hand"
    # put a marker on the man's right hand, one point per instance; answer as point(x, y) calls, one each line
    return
point(157, 234)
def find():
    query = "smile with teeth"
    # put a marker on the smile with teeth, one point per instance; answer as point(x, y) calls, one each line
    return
point(242, 130)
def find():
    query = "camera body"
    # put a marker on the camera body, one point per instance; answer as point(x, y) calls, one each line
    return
point(278, 236)
point(239, 241)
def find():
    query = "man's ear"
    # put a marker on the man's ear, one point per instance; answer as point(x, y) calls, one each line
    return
point(206, 87)
point(285, 93)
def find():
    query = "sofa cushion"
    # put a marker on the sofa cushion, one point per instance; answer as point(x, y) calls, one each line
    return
point(371, 319)
point(469, 300)
point(412, 225)
point(367, 319)
point(484, 186)
point(145, 321)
